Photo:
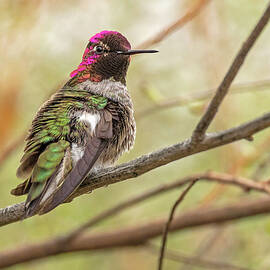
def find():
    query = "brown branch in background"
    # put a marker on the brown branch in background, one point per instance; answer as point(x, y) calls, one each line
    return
point(168, 224)
point(59, 243)
point(193, 12)
point(138, 234)
point(199, 96)
point(135, 200)
point(149, 162)
point(223, 89)
point(241, 162)
point(211, 240)
point(243, 183)
point(192, 260)
point(11, 148)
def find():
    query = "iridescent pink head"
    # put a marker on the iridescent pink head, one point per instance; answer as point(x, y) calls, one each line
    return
point(107, 55)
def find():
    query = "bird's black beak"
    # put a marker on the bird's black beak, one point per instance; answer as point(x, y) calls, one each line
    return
point(131, 52)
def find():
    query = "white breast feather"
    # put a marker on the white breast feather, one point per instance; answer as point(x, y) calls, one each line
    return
point(90, 118)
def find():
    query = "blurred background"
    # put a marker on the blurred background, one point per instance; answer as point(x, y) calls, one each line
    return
point(41, 42)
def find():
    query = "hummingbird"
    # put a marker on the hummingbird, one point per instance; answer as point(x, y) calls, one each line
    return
point(85, 126)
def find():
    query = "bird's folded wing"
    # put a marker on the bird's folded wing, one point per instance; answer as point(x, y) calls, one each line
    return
point(94, 148)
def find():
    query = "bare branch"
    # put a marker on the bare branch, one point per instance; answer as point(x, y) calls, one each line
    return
point(193, 12)
point(168, 224)
point(59, 243)
point(62, 241)
point(137, 199)
point(151, 161)
point(139, 234)
point(244, 183)
point(223, 89)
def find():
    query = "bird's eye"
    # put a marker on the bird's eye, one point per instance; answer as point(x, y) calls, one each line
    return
point(99, 49)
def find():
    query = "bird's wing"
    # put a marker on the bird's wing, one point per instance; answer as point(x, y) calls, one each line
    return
point(95, 146)
point(45, 171)
point(50, 125)
point(48, 145)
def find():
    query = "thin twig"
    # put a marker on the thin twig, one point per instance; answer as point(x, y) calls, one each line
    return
point(193, 12)
point(192, 260)
point(167, 226)
point(223, 89)
point(60, 242)
point(210, 240)
point(178, 101)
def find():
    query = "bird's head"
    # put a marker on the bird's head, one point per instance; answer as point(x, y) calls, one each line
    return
point(106, 56)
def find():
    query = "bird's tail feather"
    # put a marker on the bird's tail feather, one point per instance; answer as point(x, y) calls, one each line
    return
point(77, 174)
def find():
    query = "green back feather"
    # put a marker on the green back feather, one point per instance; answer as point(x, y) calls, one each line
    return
point(47, 164)
point(48, 138)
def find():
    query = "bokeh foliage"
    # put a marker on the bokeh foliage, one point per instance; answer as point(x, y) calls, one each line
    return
point(41, 42)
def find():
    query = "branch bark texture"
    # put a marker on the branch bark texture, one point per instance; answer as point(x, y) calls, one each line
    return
point(139, 234)
point(151, 161)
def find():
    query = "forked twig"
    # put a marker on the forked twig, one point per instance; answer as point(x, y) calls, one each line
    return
point(167, 226)
point(223, 89)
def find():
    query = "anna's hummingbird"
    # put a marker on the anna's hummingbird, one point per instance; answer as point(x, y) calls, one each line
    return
point(85, 125)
